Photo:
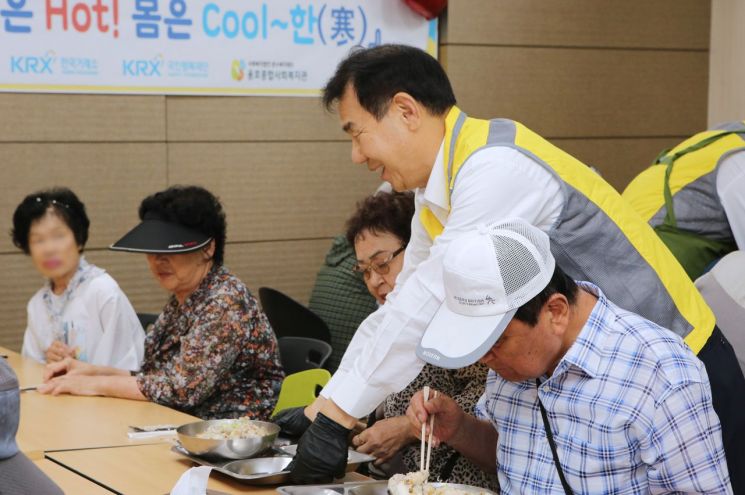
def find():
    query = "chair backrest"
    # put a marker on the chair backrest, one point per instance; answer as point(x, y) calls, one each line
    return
point(302, 353)
point(289, 318)
point(147, 319)
point(301, 389)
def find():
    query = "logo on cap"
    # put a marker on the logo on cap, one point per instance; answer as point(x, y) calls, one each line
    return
point(481, 301)
point(432, 355)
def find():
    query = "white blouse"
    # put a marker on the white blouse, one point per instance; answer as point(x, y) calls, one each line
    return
point(95, 318)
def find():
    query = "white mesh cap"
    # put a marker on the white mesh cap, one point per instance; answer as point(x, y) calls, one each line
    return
point(488, 273)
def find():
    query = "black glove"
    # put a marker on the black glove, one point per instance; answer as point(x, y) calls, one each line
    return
point(292, 421)
point(321, 453)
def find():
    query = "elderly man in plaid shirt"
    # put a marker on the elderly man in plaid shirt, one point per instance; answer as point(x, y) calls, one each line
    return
point(582, 396)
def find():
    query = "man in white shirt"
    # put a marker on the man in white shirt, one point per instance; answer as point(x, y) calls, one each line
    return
point(731, 190)
point(397, 105)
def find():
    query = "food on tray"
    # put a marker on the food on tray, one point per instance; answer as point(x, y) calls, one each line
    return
point(233, 429)
point(409, 483)
point(416, 484)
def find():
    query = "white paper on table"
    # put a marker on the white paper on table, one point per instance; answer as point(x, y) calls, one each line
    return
point(139, 435)
point(193, 482)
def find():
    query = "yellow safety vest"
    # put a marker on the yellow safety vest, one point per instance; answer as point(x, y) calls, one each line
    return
point(678, 196)
point(598, 236)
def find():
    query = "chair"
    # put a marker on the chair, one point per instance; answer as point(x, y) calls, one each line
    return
point(289, 318)
point(301, 389)
point(147, 319)
point(302, 353)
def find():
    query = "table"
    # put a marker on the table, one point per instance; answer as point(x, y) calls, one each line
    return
point(69, 481)
point(67, 422)
point(29, 372)
point(78, 439)
point(150, 469)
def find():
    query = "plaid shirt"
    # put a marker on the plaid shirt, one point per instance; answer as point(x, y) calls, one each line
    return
point(630, 409)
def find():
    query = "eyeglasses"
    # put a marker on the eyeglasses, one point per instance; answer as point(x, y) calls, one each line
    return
point(380, 263)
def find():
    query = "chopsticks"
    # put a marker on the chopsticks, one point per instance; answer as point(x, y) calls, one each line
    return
point(425, 461)
point(421, 463)
point(137, 432)
point(429, 440)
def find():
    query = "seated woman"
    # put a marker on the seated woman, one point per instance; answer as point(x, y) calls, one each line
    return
point(379, 231)
point(80, 312)
point(211, 353)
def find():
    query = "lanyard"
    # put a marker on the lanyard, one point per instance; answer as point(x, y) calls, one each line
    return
point(550, 435)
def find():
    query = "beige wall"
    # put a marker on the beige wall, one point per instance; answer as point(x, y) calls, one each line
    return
point(612, 82)
point(727, 67)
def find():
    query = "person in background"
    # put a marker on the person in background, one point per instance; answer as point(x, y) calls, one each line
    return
point(211, 352)
point(693, 195)
point(80, 312)
point(340, 298)
point(380, 230)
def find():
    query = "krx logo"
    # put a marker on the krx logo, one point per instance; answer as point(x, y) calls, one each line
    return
point(142, 68)
point(31, 65)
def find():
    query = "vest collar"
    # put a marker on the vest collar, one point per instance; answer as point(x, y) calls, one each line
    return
point(435, 193)
point(453, 124)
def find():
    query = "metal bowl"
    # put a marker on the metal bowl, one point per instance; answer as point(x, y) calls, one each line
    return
point(237, 448)
point(259, 470)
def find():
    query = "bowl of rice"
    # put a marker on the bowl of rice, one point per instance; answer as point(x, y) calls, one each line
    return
point(227, 438)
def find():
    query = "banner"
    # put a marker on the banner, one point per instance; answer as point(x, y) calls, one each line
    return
point(220, 47)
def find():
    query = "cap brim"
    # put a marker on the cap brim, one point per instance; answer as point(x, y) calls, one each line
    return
point(157, 236)
point(455, 341)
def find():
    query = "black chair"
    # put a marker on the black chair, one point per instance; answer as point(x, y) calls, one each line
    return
point(302, 353)
point(289, 318)
point(147, 319)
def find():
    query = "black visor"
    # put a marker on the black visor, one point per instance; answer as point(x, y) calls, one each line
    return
point(159, 236)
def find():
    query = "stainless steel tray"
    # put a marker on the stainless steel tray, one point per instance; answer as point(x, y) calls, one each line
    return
point(332, 489)
point(262, 470)
point(256, 471)
point(365, 488)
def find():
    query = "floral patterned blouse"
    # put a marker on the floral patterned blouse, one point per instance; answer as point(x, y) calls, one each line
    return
point(214, 356)
point(465, 386)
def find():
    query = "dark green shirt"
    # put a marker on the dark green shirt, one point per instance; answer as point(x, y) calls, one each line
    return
point(340, 298)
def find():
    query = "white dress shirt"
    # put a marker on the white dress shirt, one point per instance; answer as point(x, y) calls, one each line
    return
point(493, 184)
point(731, 190)
point(98, 319)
